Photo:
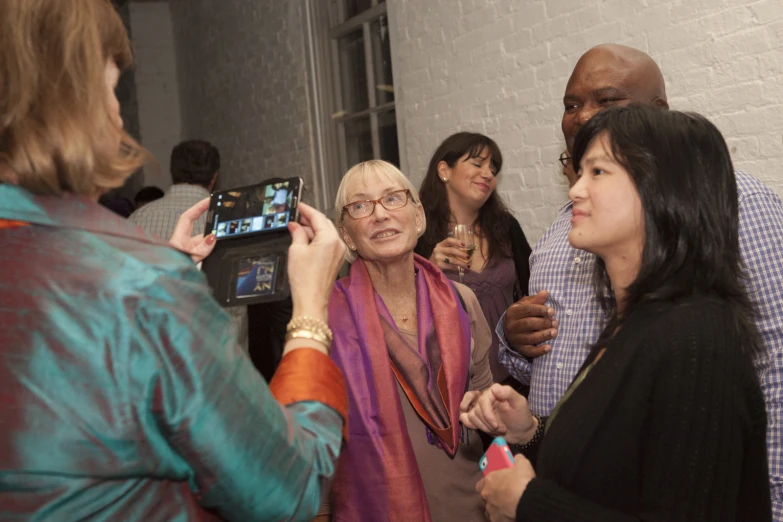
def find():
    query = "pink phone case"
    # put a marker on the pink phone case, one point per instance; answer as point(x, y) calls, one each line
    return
point(498, 456)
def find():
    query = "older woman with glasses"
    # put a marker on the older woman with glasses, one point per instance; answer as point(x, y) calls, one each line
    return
point(410, 343)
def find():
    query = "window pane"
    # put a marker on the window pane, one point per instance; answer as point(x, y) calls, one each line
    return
point(387, 127)
point(354, 7)
point(358, 141)
point(353, 72)
point(381, 49)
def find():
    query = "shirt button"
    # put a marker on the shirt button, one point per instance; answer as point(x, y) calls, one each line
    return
point(569, 312)
point(577, 260)
point(559, 366)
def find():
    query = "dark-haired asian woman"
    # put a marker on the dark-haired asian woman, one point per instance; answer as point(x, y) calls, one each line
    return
point(666, 419)
point(460, 188)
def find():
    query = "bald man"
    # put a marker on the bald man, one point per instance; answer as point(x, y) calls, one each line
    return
point(606, 76)
point(545, 338)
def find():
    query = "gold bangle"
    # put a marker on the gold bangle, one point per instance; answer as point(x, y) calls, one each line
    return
point(305, 322)
point(312, 335)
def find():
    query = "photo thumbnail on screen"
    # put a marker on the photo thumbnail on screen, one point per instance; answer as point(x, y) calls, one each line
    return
point(257, 209)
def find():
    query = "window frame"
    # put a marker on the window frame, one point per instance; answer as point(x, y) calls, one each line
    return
point(326, 24)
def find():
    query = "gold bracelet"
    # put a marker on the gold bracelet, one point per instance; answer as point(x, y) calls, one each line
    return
point(312, 335)
point(305, 322)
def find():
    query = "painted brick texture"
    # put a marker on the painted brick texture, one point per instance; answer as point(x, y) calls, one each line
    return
point(242, 85)
point(495, 66)
point(156, 86)
point(500, 67)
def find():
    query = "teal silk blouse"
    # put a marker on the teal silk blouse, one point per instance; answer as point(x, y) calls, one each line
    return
point(123, 395)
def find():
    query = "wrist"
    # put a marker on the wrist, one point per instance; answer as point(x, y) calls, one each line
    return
point(532, 436)
point(528, 435)
point(310, 329)
point(310, 309)
point(522, 437)
point(295, 344)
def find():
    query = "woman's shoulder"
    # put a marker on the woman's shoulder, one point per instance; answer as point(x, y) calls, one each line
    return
point(695, 311)
point(469, 301)
point(695, 339)
point(464, 291)
point(468, 297)
point(698, 324)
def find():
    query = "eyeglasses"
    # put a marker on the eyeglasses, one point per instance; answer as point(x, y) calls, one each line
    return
point(391, 201)
point(565, 159)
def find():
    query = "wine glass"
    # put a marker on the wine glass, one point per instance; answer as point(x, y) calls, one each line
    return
point(464, 233)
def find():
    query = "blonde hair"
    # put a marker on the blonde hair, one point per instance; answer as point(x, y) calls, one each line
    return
point(56, 133)
point(367, 171)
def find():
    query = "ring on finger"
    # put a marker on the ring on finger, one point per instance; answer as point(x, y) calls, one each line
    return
point(446, 260)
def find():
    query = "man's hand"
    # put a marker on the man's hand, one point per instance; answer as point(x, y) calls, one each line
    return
point(502, 489)
point(529, 322)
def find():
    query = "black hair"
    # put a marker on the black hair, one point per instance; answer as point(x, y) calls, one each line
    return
point(194, 162)
point(148, 194)
point(682, 171)
point(494, 216)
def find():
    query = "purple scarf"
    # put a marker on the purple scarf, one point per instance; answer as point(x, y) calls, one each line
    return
point(377, 477)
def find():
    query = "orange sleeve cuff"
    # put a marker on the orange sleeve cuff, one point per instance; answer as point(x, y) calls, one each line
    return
point(7, 223)
point(306, 374)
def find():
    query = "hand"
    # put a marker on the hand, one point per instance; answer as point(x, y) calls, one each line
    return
point(197, 247)
point(450, 249)
point(498, 410)
point(314, 258)
point(529, 322)
point(501, 490)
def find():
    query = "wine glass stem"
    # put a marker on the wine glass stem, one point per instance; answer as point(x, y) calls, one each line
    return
point(461, 274)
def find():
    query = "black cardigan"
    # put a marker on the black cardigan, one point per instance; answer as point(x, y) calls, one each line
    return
point(520, 252)
point(669, 425)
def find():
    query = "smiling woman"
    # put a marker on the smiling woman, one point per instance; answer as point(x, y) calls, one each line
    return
point(460, 189)
point(410, 342)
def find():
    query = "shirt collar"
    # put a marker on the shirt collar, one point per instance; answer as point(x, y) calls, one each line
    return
point(186, 189)
point(67, 211)
point(567, 206)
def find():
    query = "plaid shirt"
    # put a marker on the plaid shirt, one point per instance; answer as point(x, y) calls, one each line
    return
point(567, 274)
point(159, 217)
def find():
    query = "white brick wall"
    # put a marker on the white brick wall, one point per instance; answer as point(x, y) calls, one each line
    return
point(156, 85)
point(500, 67)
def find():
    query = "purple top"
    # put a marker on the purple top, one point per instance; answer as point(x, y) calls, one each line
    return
point(494, 288)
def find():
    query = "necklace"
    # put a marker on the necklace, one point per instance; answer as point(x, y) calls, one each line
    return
point(401, 310)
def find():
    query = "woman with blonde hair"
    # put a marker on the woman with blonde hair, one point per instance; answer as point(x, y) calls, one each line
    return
point(124, 395)
point(410, 343)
